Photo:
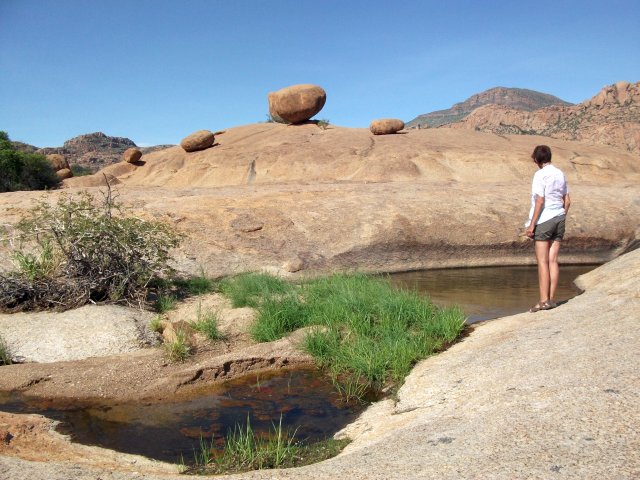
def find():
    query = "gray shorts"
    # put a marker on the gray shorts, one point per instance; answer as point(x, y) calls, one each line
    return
point(551, 230)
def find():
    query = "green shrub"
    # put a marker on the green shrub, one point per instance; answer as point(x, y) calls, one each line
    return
point(80, 170)
point(91, 247)
point(24, 171)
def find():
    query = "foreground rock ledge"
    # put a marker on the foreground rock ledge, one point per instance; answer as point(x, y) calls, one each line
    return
point(551, 394)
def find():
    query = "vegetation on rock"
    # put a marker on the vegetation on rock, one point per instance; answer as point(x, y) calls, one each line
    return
point(369, 334)
point(84, 249)
point(24, 171)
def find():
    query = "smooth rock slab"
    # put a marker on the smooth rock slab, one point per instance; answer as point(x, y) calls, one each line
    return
point(89, 331)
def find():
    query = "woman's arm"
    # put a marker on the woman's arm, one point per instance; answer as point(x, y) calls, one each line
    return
point(567, 203)
point(537, 210)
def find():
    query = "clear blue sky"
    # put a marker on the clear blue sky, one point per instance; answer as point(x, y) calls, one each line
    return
point(156, 70)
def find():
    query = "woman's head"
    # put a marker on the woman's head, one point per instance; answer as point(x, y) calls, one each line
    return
point(541, 154)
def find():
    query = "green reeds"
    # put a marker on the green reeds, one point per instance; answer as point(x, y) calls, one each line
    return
point(371, 334)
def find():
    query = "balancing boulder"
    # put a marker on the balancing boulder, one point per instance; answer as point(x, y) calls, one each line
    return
point(386, 126)
point(200, 140)
point(298, 103)
point(132, 155)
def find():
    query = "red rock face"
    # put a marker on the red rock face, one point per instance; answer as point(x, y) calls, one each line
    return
point(612, 118)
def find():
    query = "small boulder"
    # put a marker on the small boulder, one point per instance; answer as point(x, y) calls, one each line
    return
point(132, 155)
point(64, 173)
point(58, 162)
point(200, 140)
point(298, 103)
point(386, 126)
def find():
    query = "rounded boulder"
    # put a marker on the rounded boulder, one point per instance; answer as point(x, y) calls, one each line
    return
point(200, 140)
point(386, 126)
point(57, 161)
point(297, 103)
point(64, 173)
point(132, 155)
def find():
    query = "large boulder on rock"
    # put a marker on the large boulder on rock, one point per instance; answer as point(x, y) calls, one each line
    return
point(58, 162)
point(64, 173)
point(297, 103)
point(200, 140)
point(386, 126)
point(132, 155)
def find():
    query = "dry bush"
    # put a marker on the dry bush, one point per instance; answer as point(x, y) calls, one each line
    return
point(85, 248)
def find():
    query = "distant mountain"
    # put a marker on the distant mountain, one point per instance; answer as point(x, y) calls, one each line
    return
point(515, 98)
point(92, 150)
point(612, 118)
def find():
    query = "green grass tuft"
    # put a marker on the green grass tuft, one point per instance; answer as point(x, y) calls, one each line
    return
point(164, 303)
point(207, 323)
point(249, 289)
point(371, 333)
point(5, 354)
point(179, 349)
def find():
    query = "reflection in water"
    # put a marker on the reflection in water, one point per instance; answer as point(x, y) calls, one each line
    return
point(488, 292)
point(167, 431)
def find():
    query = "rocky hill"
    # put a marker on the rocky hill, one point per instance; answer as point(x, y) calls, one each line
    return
point(610, 118)
point(93, 151)
point(514, 98)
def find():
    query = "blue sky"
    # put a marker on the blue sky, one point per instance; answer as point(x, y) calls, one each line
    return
point(156, 70)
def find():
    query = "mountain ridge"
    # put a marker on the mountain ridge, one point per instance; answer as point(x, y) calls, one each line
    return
point(517, 98)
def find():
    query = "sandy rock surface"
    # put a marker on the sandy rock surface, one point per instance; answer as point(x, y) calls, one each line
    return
point(547, 395)
point(89, 331)
point(273, 196)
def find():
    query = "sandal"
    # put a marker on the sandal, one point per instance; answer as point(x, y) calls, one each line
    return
point(540, 306)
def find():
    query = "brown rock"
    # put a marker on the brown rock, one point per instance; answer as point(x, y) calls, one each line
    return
point(200, 140)
point(64, 173)
point(58, 161)
point(272, 111)
point(131, 155)
point(386, 126)
point(297, 103)
point(294, 265)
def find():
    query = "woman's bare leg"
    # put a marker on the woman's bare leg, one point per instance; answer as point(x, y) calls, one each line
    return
point(542, 256)
point(554, 268)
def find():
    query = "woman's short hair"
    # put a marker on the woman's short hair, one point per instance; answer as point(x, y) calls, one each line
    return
point(541, 154)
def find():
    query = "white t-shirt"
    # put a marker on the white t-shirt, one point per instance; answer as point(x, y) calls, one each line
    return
point(548, 182)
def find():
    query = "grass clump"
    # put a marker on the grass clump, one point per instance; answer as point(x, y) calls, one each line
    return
point(250, 289)
point(179, 349)
point(371, 334)
point(207, 324)
point(164, 303)
point(5, 354)
point(245, 450)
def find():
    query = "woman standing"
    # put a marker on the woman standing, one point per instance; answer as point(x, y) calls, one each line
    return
point(549, 206)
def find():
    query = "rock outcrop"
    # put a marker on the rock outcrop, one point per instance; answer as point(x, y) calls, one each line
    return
point(513, 98)
point(386, 126)
point(342, 198)
point(612, 118)
point(132, 155)
point(200, 140)
point(296, 104)
point(57, 161)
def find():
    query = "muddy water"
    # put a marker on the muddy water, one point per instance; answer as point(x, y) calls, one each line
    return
point(488, 292)
point(168, 431)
